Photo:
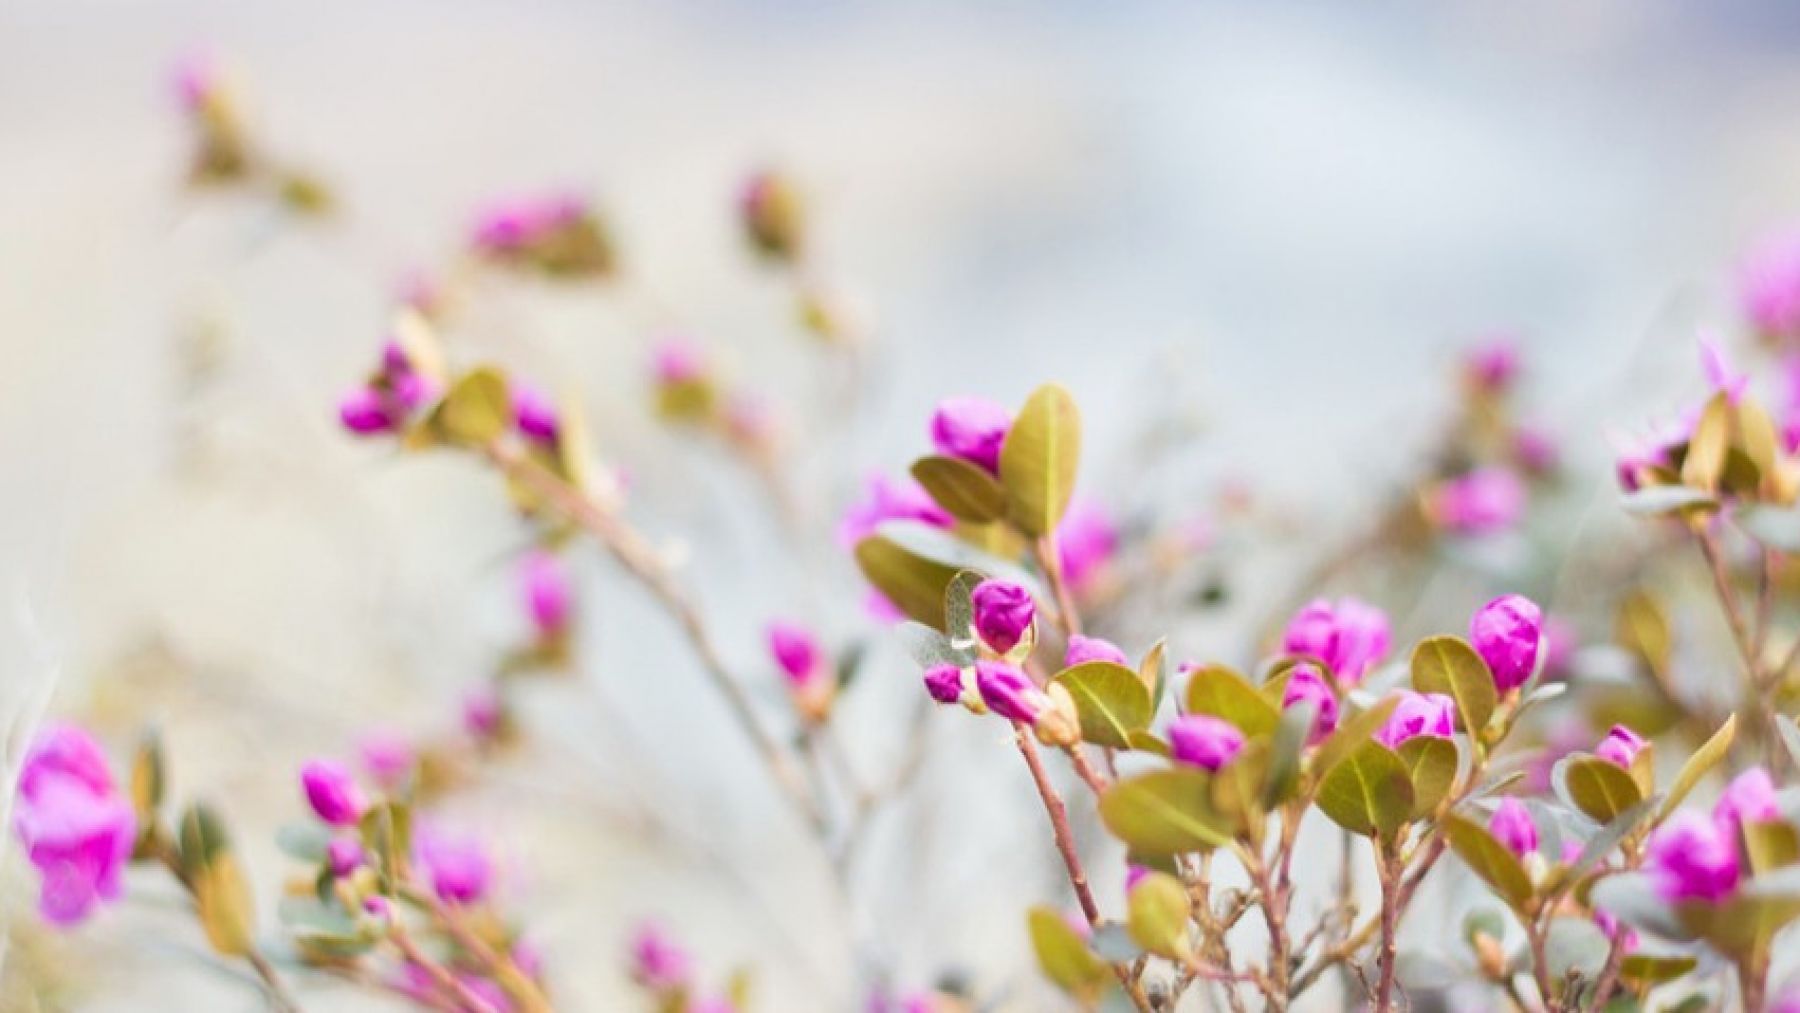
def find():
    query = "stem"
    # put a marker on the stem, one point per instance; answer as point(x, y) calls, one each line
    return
point(1734, 613)
point(1274, 908)
point(499, 965)
point(465, 997)
point(1392, 889)
point(1065, 845)
point(279, 997)
point(1540, 965)
point(634, 552)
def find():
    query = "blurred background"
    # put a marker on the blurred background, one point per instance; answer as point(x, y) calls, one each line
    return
point(1273, 229)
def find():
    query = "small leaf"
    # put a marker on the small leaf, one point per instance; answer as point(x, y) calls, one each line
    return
point(1285, 750)
point(1153, 671)
point(1164, 812)
point(1771, 845)
point(1642, 970)
point(1575, 945)
point(1039, 460)
point(1431, 765)
point(914, 584)
point(387, 833)
point(1368, 792)
point(1599, 789)
point(966, 491)
point(1238, 789)
point(201, 838)
point(1448, 665)
point(1110, 701)
point(1744, 924)
point(1222, 693)
point(1144, 742)
point(1704, 463)
point(1489, 859)
point(1063, 956)
point(1352, 732)
point(959, 609)
point(147, 779)
point(226, 910)
point(1704, 759)
point(1642, 628)
point(927, 647)
point(478, 408)
point(1157, 916)
point(1112, 941)
point(1657, 500)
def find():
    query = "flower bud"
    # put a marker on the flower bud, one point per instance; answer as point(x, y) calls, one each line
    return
point(387, 757)
point(1084, 649)
point(534, 414)
point(1749, 798)
point(1204, 741)
point(773, 216)
point(1306, 686)
point(971, 428)
point(343, 855)
point(1003, 612)
point(1691, 858)
point(482, 713)
point(1492, 367)
point(458, 868)
point(378, 907)
point(795, 651)
point(73, 823)
point(657, 962)
point(364, 412)
point(1350, 637)
point(1513, 827)
point(1058, 723)
point(1417, 714)
point(1620, 746)
point(1507, 633)
point(545, 585)
point(1490, 956)
point(1086, 542)
point(1769, 288)
point(331, 792)
point(1009, 692)
point(944, 683)
point(1535, 451)
point(885, 500)
point(1485, 501)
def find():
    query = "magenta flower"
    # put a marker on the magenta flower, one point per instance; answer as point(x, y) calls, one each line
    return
point(1507, 632)
point(1086, 541)
point(1692, 858)
point(1769, 287)
point(891, 500)
point(678, 360)
point(73, 824)
point(344, 855)
point(1620, 746)
point(1535, 450)
point(364, 411)
point(1349, 637)
point(971, 428)
point(1003, 613)
point(1749, 798)
point(1204, 741)
point(657, 962)
point(1083, 649)
point(545, 585)
point(1009, 692)
point(1790, 421)
point(1417, 714)
point(534, 414)
point(387, 756)
point(1512, 826)
point(1484, 501)
point(1306, 685)
point(796, 651)
point(1493, 365)
point(1719, 374)
point(332, 792)
point(482, 711)
point(457, 868)
point(944, 683)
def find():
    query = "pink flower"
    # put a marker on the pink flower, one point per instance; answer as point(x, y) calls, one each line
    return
point(1512, 826)
point(657, 962)
point(197, 81)
point(1306, 686)
point(1494, 365)
point(1432, 714)
point(1086, 542)
point(678, 360)
point(1009, 692)
point(1350, 637)
point(971, 428)
point(1003, 613)
point(457, 868)
point(886, 500)
point(1692, 858)
point(1204, 741)
point(364, 411)
point(1769, 287)
point(1620, 746)
point(1484, 501)
point(1507, 632)
point(332, 792)
point(511, 226)
point(482, 711)
point(1717, 368)
point(344, 855)
point(1535, 450)
point(545, 584)
point(796, 651)
point(1749, 798)
point(387, 756)
point(74, 825)
point(534, 414)
point(944, 683)
point(1084, 649)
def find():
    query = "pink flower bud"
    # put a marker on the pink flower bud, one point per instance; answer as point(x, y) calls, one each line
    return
point(971, 428)
point(657, 962)
point(331, 792)
point(457, 868)
point(1431, 714)
point(1769, 288)
point(1620, 746)
point(73, 824)
point(1535, 450)
point(1485, 501)
point(944, 683)
point(1086, 541)
point(344, 855)
point(1009, 692)
point(534, 414)
point(1507, 632)
point(1003, 612)
point(388, 757)
point(378, 907)
point(1305, 685)
point(1691, 858)
point(677, 360)
point(364, 412)
point(1350, 637)
point(482, 711)
point(1204, 741)
point(1493, 366)
point(547, 596)
point(1749, 798)
point(796, 652)
point(1083, 649)
point(1512, 826)
point(890, 500)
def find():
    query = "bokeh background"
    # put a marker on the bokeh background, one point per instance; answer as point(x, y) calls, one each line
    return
point(1277, 225)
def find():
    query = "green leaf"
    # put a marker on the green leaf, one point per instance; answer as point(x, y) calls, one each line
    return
point(1039, 459)
point(1448, 665)
point(1165, 812)
point(1599, 789)
point(1157, 916)
point(1110, 701)
point(223, 902)
point(1743, 925)
point(1352, 732)
point(478, 408)
point(387, 834)
point(1238, 789)
point(1222, 693)
point(201, 837)
point(1368, 792)
point(1575, 944)
point(966, 491)
point(1144, 742)
point(1285, 750)
point(1489, 859)
point(914, 584)
point(1063, 956)
point(1642, 628)
point(1642, 970)
point(959, 609)
point(1704, 759)
point(1431, 765)
point(1704, 463)
point(1153, 671)
point(1771, 845)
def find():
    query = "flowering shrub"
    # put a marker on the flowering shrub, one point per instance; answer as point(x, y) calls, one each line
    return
point(1631, 835)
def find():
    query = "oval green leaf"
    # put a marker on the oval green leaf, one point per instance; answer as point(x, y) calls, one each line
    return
point(1157, 916)
point(966, 491)
point(1704, 759)
point(1431, 768)
point(1222, 693)
point(478, 407)
point(1110, 701)
point(1489, 859)
point(1368, 792)
point(1039, 459)
point(1599, 789)
point(1448, 665)
point(1164, 812)
point(913, 583)
point(1063, 956)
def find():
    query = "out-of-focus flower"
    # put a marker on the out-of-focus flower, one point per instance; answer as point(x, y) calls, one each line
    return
point(1204, 741)
point(971, 428)
point(332, 792)
point(344, 855)
point(1003, 613)
point(1620, 746)
point(677, 360)
point(1749, 798)
point(1009, 692)
point(944, 683)
point(457, 868)
point(482, 712)
point(558, 235)
point(1719, 374)
point(1492, 366)
point(1507, 632)
point(388, 399)
point(388, 757)
point(1086, 541)
point(73, 824)
point(544, 584)
point(658, 962)
point(1306, 686)
point(1350, 637)
point(1769, 287)
point(887, 499)
point(1535, 450)
point(1417, 714)
point(1692, 858)
point(773, 216)
point(1512, 826)
point(534, 414)
point(1559, 647)
point(1628, 939)
point(795, 650)
point(1083, 649)
point(1134, 874)
point(1484, 501)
